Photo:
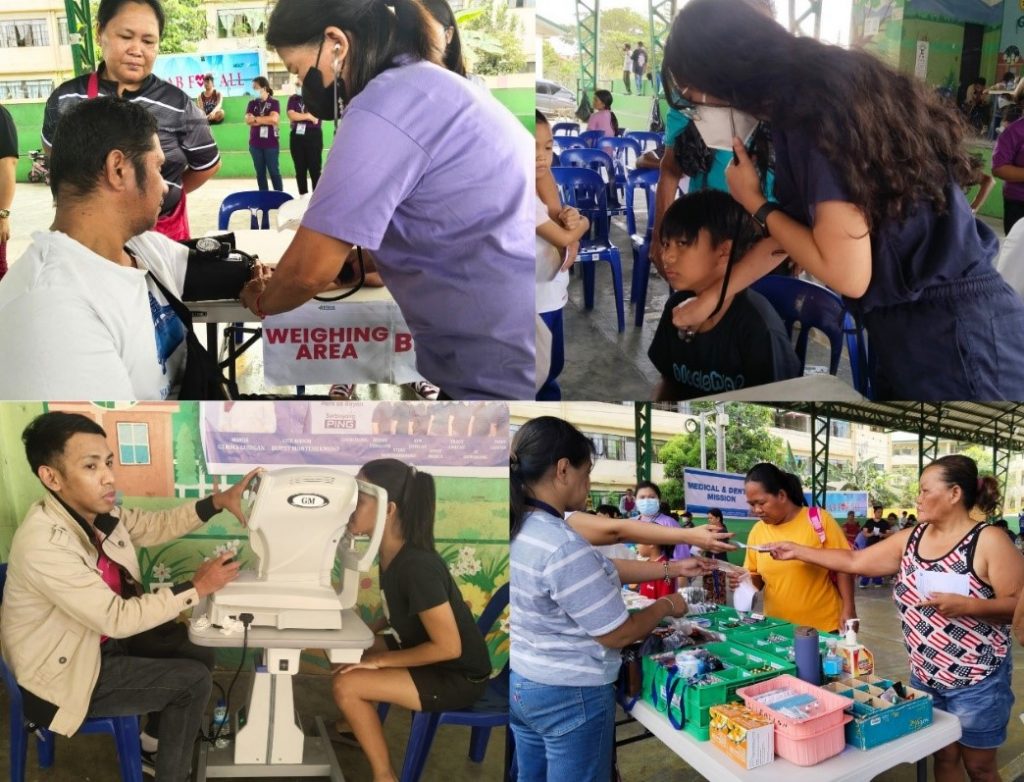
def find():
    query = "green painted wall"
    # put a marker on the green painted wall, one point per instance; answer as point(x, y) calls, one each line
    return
point(471, 530)
point(885, 44)
point(232, 135)
point(946, 47)
point(18, 487)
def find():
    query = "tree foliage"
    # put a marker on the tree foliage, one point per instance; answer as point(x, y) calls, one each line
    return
point(883, 488)
point(495, 40)
point(184, 25)
point(559, 69)
point(618, 26)
point(747, 442)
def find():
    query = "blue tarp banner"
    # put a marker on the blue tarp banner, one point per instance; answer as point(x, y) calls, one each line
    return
point(233, 72)
point(839, 503)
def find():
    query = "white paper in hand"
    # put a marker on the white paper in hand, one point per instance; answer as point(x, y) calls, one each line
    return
point(929, 582)
point(743, 596)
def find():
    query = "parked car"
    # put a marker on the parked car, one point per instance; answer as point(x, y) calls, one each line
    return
point(553, 98)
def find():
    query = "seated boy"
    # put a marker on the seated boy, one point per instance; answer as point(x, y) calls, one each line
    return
point(745, 343)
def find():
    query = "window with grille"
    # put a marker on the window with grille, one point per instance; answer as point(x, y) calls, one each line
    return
point(133, 443)
point(21, 33)
point(241, 22)
point(31, 89)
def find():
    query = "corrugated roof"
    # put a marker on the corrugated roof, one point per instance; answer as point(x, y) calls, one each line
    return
point(985, 423)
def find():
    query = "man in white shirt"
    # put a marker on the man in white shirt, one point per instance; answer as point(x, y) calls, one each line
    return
point(627, 67)
point(80, 311)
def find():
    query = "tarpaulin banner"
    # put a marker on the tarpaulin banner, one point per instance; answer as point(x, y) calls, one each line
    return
point(346, 342)
point(445, 438)
point(704, 489)
point(839, 503)
point(233, 72)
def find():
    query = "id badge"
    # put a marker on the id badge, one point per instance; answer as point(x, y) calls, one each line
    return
point(300, 130)
point(265, 131)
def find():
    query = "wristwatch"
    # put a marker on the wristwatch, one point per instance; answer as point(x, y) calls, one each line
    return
point(761, 215)
point(4, 214)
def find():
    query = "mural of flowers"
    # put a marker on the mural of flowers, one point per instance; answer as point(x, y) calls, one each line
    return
point(161, 573)
point(231, 547)
point(467, 564)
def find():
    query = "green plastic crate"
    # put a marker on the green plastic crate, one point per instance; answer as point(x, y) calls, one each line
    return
point(759, 639)
point(725, 620)
point(740, 662)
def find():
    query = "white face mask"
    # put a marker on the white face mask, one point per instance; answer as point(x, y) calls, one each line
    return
point(715, 125)
point(648, 506)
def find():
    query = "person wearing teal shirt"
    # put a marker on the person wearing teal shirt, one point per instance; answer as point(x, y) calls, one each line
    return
point(691, 156)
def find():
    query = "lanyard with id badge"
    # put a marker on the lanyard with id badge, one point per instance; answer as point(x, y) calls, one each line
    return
point(300, 128)
point(265, 129)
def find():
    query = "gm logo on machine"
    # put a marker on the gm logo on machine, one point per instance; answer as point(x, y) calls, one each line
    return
point(307, 500)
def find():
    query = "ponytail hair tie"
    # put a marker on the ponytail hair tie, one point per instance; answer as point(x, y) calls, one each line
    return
point(981, 482)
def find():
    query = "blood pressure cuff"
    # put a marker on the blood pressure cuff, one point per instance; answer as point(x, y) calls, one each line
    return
point(216, 269)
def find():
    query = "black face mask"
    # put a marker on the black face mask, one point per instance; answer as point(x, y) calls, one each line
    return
point(322, 102)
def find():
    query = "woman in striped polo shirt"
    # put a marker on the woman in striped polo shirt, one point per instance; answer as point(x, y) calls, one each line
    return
point(568, 621)
point(959, 645)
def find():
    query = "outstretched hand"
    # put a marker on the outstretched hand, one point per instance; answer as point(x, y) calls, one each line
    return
point(715, 539)
point(691, 567)
point(783, 550)
point(231, 499)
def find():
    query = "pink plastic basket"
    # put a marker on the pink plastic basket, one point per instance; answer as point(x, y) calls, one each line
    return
point(798, 729)
point(811, 750)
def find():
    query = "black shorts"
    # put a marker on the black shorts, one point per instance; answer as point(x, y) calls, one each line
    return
point(441, 689)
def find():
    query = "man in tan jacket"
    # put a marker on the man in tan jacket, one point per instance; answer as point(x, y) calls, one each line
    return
point(76, 629)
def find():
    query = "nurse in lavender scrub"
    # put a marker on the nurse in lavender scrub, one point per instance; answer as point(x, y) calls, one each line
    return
point(426, 172)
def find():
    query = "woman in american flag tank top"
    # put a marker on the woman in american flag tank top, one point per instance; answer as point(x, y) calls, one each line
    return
point(957, 582)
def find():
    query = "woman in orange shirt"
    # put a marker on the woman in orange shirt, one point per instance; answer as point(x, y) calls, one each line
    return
point(806, 594)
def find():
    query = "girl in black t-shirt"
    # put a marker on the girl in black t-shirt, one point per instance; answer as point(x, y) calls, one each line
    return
point(435, 658)
point(869, 165)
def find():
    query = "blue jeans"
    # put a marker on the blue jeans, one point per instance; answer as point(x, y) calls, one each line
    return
point(562, 734)
point(550, 391)
point(983, 708)
point(265, 160)
point(639, 82)
point(865, 579)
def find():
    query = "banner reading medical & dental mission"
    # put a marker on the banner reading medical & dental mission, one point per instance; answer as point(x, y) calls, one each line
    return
point(705, 489)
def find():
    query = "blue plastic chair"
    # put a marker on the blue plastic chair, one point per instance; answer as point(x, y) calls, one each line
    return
point(568, 128)
point(624, 151)
point(815, 306)
point(645, 180)
point(585, 190)
point(256, 202)
point(562, 143)
point(601, 162)
point(125, 730)
point(590, 137)
point(491, 711)
point(647, 139)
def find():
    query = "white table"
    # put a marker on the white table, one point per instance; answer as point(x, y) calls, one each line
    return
point(269, 245)
point(808, 388)
point(851, 765)
point(272, 743)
